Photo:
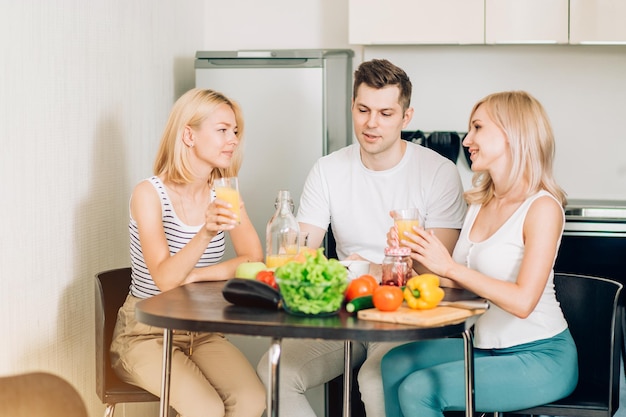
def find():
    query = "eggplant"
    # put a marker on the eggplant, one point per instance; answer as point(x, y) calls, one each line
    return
point(251, 293)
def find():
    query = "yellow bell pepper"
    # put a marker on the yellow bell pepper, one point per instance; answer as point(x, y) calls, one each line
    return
point(422, 292)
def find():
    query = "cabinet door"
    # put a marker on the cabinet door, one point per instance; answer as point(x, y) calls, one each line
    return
point(598, 21)
point(526, 21)
point(393, 22)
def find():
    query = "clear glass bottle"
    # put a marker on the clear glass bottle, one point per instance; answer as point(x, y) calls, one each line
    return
point(283, 233)
point(397, 266)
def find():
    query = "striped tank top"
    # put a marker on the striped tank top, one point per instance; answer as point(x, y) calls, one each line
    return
point(178, 234)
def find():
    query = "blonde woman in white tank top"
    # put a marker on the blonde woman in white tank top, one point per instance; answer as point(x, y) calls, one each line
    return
point(524, 355)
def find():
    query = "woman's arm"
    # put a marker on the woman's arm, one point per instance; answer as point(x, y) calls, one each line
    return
point(168, 271)
point(448, 237)
point(542, 230)
point(247, 247)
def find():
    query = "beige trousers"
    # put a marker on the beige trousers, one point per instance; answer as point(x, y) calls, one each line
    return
point(216, 379)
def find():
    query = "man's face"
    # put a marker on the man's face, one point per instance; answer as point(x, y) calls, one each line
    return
point(378, 118)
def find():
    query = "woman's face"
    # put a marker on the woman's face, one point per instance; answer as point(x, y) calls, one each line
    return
point(487, 143)
point(215, 141)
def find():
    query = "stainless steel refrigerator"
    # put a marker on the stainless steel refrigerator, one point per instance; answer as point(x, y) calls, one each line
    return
point(296, 106)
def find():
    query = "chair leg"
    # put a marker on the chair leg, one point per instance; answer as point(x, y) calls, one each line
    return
point(108, 412)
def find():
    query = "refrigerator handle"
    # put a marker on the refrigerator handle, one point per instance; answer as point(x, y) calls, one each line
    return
point(257, 62)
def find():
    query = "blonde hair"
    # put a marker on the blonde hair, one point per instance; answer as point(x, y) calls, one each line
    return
point(191, 109)
point(526, 125)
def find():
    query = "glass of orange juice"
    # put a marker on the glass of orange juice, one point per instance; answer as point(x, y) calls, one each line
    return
point(405, 220)
point(227, 189)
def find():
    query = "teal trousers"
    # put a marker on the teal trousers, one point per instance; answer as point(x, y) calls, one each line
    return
point(426, 378)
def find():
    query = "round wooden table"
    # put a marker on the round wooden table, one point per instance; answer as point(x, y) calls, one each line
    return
point(200, 307)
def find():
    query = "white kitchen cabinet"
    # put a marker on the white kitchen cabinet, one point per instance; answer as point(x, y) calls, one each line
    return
point(526, 21)
point(397, 22)
point(406, 22)
point(597, 21)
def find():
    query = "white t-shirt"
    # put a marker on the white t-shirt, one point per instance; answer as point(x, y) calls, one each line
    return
point(500, 256)
point(356, 201)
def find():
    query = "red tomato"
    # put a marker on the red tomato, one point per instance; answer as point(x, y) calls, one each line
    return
point(358, 288)
point(387, 298)
point(371, 280)
point(267, 276)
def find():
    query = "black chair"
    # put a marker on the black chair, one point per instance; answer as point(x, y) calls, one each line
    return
point(111, 291)
point(334, 397)
point(593, 309)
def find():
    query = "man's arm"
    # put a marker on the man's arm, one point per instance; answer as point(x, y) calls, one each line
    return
point(316, 234)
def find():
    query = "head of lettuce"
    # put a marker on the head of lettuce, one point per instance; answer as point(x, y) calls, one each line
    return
point(315, 286)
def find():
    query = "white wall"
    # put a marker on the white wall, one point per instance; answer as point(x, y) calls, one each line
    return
point(85, 88)
point(583, 89)
point(276, 24)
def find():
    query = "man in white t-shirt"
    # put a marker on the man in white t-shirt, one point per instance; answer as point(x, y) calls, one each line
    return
point(354, 190)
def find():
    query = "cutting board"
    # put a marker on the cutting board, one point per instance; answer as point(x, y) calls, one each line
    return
point(437, 316)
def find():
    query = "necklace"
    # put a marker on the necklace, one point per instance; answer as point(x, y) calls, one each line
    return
point(181, 201)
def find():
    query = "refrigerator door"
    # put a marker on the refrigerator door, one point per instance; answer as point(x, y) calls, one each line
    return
point(296, 107)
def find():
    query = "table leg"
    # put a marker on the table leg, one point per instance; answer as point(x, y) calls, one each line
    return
point(166, 373)
point(273, 378)
point(347, 378)
point(468, 343)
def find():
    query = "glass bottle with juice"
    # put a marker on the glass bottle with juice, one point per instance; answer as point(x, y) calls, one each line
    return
point(282, 235)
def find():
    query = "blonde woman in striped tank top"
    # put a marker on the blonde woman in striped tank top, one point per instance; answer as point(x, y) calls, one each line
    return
point(177, 234)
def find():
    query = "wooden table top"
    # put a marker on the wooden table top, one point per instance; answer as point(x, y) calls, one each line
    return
point(201, 307)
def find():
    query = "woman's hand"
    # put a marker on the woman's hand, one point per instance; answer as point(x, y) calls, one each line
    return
point(219, 217)
point(429, 251)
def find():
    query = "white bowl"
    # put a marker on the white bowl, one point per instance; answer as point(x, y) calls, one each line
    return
point(356, 268)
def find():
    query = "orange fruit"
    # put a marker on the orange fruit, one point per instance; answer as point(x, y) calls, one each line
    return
point(301, 258)
point(359, 287)
point(373, 282)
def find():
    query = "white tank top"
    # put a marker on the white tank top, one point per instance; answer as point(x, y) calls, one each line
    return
point(500, 256)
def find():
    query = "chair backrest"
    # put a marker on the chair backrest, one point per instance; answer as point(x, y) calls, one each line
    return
point(593, 309)
point(111, 291)
point(39, 394)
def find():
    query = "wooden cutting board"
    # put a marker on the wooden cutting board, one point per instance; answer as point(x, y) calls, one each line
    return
point(437, 316)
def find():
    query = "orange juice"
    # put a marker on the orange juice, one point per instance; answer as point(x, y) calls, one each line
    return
point(230, 195)
point(274, 261)
point(305, 249)
point(286, 254)
point(406, 225)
